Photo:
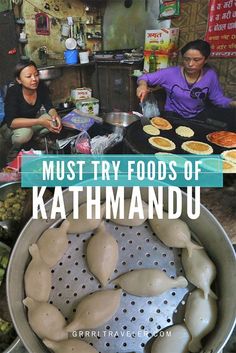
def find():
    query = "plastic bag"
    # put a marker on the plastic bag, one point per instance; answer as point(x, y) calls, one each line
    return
point(81, 144)
point(100, 143)
point(150, 107)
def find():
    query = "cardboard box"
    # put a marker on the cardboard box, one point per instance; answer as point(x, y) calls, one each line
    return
point(169, 8)
point(90, 105)
point(163, 41)
point(81, 93)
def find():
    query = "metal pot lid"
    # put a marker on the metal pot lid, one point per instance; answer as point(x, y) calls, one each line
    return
point(70, 43)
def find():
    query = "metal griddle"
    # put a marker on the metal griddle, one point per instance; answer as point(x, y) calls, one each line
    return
point(136, 140)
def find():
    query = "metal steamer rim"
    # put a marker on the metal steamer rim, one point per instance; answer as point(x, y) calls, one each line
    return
point(139, 319)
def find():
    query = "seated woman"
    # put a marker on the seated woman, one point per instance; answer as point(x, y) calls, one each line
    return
point(22, 108)
point(190, 87)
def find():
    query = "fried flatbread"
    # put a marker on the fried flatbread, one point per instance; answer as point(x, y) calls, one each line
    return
point(223, 138)
point(151, 130)
point(162, 143)
point(212, 164)
point(229, 167)
point(184, 131)
point(197, 147)
point(161, 123)
point(229, 155)
point(215, 165)
point(167, 156)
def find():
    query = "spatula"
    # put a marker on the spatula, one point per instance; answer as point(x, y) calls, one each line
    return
point(149, 108)
point(144, 119)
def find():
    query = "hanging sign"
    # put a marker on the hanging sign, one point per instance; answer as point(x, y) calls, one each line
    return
point(221, 29)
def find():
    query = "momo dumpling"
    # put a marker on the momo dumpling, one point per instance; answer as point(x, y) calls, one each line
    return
point(148, 282)
point(102, 254)
point(37, 277)
point(199, 270)
point(175, 342)
point(131, 219)
point(53, 243)
point(84, 224)
point(46, 320)
point(96, 309)
point(200, 318)
point(173, 232)
point(71, 345)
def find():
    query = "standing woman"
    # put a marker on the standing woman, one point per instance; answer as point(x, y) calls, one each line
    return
point(190, 88)
point(22, 108)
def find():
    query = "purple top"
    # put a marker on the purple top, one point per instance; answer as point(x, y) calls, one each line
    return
point(185, 99)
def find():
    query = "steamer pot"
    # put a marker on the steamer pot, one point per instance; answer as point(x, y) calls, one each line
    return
point(208, 231)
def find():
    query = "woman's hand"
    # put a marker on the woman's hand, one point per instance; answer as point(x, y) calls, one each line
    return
point(46, 121)
point(142, 90)
point(56, 122)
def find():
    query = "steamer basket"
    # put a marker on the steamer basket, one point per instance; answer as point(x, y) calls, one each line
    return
point(138, 318)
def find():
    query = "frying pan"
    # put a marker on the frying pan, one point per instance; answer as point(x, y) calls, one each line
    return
point(206, 229)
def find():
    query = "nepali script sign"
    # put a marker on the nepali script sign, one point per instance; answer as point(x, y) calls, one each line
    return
point(221, 29)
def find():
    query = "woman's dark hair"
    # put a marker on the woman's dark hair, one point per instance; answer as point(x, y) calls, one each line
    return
point(198, 44)
point(22, 65)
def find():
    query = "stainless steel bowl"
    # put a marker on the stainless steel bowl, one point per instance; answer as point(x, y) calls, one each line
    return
point(207, 230)
point(119, 119)
point(8, 187)
point(16, 347)
point(49, 74)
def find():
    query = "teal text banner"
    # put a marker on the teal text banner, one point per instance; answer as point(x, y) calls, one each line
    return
point(122, 170)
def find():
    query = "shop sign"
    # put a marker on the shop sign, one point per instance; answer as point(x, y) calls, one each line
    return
point(221, 29)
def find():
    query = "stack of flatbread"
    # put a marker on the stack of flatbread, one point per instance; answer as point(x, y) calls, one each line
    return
point(223, 138)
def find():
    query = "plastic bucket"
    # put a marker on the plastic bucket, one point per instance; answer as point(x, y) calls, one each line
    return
point(71, 56)
point(84, 57)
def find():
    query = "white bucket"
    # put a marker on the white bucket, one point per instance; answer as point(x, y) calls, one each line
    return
point(84, 57)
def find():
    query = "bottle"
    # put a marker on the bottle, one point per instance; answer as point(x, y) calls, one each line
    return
point(152, 62)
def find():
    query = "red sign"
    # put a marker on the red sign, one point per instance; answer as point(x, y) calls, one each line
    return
point(221, 30)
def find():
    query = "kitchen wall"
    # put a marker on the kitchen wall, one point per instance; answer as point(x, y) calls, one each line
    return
point(193, 23)
point(125, 27)
point(58, 11)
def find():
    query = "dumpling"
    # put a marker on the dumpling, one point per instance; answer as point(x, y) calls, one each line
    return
point(148, 282)
point(200, 318)
point(199, 270)
point(173, 232)
point(83, 224)
point(102, 254)
point(37, 277)
point(46, 320)
point(135, 220)
point(53, 243)
point(176, 341)
point(71, 345)
point(96, 309)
